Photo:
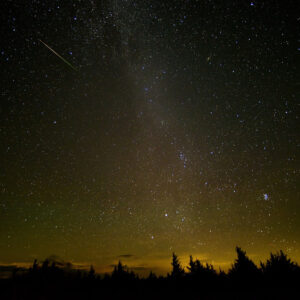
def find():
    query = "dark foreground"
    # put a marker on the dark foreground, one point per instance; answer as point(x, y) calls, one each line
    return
point(141, 290)
point(278, 278)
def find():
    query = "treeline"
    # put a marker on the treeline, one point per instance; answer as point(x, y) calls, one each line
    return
point(277, 278)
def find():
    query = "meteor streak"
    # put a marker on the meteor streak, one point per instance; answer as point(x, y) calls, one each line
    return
point(65, 61)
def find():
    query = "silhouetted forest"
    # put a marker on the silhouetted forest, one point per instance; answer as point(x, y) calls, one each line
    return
point(277, 278)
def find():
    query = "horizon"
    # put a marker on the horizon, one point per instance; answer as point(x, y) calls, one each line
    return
point(135, 264)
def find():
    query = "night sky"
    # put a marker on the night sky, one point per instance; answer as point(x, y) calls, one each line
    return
point(167, 126)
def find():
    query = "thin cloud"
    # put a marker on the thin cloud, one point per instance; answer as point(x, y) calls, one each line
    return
point(126, 256)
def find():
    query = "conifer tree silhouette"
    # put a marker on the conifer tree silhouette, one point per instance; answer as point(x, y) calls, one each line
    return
point(177, 270)
point(152, 276)
point(244, 269)
point(280, 268)
point(277, 278)
point(91, 274)
point(121, 272)
point(201, 271)
point(192, 266)
point(34, 268)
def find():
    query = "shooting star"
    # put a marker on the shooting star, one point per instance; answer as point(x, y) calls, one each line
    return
point(65, 61)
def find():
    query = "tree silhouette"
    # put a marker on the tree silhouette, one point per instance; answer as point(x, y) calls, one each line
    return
point(91, 274)
point(121, 272)
point(278, 278)
point(192, 266)
point(197, 270)
point(35, 266)
point(45, 265)
point(152, 276)
point(280, 269)
point(177, 270)
point(243, 269)
point(34, 269)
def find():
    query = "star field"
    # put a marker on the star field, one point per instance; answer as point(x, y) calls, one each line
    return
point(178, 131)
